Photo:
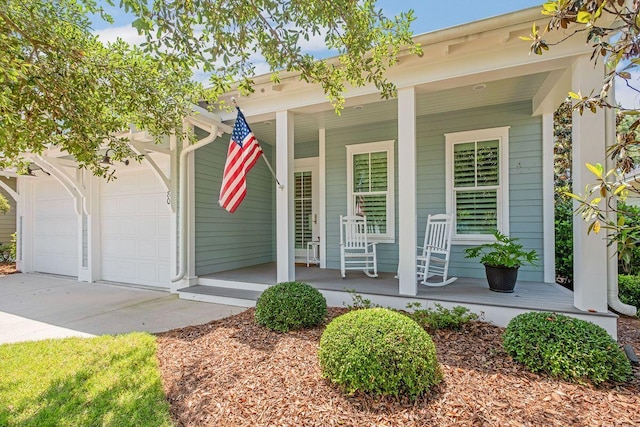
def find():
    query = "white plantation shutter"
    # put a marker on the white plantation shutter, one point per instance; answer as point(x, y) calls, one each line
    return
point(475, 184)
point(370, 189)
point(303, 208)
point(370, 186)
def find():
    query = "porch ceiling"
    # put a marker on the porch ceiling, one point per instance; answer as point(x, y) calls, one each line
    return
point(366, 110)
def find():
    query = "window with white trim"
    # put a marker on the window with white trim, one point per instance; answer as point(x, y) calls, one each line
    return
point(477, 193)
point(370, 184)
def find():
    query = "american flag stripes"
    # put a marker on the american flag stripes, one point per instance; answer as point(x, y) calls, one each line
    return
point(243, 153)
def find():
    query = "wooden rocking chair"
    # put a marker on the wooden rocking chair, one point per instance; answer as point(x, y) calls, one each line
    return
point(356, 253)
point(433, 257)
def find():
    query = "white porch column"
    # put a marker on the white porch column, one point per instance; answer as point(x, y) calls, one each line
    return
point(24, 225)
point(407, 217)
point(285, 227)
point(173, 216)
point(190, 227)
point(548, 208)
point(590, 251)
point(89, 233)
point(322, 195)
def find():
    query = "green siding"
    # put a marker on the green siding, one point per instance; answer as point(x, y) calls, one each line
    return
point(525, 169)
point(226, 241)
point(8, 220)
point(336, 186)
point(525, 175)
point(306, 149)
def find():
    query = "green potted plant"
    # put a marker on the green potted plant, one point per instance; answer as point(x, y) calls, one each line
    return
point(501, 260)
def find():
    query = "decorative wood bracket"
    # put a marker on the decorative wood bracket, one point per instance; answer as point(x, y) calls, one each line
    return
point(73, 186)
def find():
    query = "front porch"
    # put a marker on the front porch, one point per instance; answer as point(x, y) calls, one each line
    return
point(244, 285)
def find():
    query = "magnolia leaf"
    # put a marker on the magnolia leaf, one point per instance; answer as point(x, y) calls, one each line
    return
point(596, 227)
point(574, 196)
point(597, 170)
point(574, 95)
point(583, 17)
point(620, 189)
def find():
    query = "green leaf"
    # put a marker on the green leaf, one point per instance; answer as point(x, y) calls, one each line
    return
point(597, 170)
point(583, 17)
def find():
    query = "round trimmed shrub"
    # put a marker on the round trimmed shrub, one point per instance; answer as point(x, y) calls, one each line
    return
point(290, 305)
point(378, 351)
point(566, 347)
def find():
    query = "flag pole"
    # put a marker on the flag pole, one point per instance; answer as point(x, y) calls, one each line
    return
point(263, 155)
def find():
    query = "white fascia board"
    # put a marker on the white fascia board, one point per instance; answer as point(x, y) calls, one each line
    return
point(476, 52)
point(427, 74)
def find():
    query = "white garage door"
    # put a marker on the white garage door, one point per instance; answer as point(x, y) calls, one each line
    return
point(55, 229)
point(135, 229)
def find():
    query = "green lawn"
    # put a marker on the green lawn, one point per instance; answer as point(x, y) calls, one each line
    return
point(102, 381)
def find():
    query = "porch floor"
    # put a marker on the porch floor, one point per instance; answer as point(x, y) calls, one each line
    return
point(536, 296)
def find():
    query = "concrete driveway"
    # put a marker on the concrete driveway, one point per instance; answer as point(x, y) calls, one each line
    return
point(39, 306)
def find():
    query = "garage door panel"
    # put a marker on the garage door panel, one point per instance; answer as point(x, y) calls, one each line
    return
point(127, 247)
point(147, 248)
point(109, 247)
point(147, 226)
point(163, 249)
point(135, 236)
point(128, 205)
point(126, 225)
point(55, 239)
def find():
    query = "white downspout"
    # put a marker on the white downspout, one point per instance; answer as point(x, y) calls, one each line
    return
point(613, 299)
point(182, 224)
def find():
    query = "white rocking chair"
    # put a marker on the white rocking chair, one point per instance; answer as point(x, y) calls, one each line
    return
point(356, 253)
point(433, 260)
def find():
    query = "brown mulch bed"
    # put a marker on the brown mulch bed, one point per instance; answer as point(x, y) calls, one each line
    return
point(232, 372)
point(7, 268)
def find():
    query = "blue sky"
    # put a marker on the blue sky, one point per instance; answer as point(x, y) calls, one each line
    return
point(431, 15)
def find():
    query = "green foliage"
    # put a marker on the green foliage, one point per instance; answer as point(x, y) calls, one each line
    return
point(562, 152)
point(565, 347)
point(8, 250)
point(628, 239)
point(290, 305)
point(440, 317)
point(102, 381)
point(564, 238)
point(504, 252)
point(4, 205)
point(222, 38)
point(615, 46)
point(358, 302)
point(62, 88)
point(629, 289)
point(379, 351)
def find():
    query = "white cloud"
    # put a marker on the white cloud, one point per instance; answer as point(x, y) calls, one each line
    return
point(125, 32)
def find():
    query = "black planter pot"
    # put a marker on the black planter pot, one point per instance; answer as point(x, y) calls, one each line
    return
point(501, 279)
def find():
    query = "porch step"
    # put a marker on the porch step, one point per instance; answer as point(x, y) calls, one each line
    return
point(220, 295)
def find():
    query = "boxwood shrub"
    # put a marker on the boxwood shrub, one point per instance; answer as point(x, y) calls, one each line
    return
point(563, 346)
point(629, 287)
point(290, 305)
point(378, 351)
